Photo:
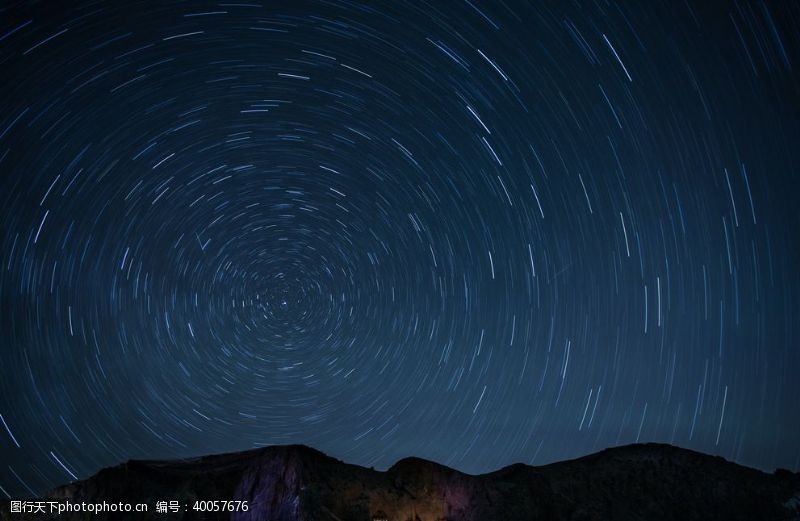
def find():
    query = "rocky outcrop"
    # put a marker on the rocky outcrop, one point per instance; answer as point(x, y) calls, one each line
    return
point(297, 483)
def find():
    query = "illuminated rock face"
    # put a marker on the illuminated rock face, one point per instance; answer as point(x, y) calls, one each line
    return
point(296, 483)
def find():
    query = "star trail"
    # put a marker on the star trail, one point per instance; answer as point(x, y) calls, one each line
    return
point(476, 232)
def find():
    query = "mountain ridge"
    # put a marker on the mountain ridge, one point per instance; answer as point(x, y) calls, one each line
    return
point(300, 483)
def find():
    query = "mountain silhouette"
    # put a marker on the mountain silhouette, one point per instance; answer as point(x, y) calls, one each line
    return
point(298, 483)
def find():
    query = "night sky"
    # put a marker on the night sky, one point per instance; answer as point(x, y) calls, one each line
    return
point(475, 232)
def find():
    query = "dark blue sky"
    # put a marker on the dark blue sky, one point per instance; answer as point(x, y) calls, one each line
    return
point(475, 232)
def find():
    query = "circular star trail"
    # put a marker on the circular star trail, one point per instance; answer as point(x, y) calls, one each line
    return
point(476, 232)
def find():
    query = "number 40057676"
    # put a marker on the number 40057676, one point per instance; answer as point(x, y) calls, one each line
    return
point(221, 506)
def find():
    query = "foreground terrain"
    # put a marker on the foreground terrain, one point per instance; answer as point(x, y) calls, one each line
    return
point(293, 483)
